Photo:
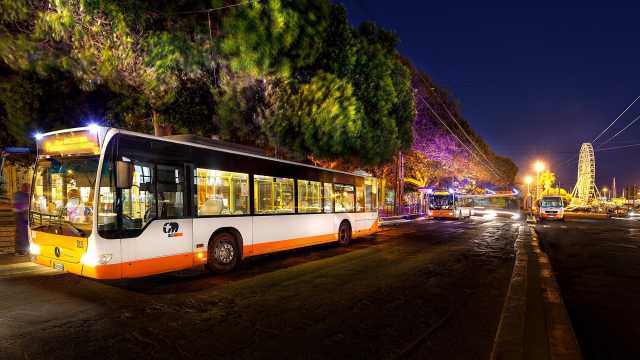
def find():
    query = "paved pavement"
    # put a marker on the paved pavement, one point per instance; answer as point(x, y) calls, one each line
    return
point(597, 265)
point(423, 289)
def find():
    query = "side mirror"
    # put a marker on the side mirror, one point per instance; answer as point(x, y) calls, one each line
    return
point(124, 174)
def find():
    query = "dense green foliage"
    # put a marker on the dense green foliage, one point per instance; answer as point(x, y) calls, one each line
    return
point(234, 71)
point(291, 76)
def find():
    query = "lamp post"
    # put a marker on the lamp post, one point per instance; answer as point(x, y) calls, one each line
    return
point(604, 191)
point(528, 180)
point(538, 167)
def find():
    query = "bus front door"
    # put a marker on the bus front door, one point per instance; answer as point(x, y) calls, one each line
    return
point(165, 241)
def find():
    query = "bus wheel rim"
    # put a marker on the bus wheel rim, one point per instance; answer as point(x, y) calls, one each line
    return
point(224, 252)
point(343, 233)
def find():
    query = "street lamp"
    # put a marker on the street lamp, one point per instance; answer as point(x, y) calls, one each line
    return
point(528, 180)
point(538, 167)
point(605, 190)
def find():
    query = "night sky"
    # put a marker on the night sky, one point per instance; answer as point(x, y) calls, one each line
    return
point(533, 82)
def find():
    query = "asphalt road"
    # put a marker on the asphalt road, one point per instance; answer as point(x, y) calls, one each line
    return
point(597, 265)
point(428, 289)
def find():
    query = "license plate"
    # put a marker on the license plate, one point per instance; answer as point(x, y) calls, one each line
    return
point(58, 266)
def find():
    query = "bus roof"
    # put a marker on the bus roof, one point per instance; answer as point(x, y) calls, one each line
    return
point(215, 145)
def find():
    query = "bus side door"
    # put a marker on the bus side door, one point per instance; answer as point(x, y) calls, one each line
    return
point(166, 239)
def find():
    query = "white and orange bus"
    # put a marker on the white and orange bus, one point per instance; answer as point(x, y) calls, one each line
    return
point(110, 204)
point(446, 204)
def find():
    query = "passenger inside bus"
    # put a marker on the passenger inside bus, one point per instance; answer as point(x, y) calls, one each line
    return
point(74, 207)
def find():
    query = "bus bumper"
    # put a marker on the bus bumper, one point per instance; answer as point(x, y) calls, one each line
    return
point(442, 214)
point(100, 272)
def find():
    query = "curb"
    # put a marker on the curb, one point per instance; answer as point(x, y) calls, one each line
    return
point(509, 340)
point(534, 322)
point(562, 339)
point(399, 220)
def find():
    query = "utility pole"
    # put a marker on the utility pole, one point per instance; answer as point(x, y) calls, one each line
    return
point(399, 183)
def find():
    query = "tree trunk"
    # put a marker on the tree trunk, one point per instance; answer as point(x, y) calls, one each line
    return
point(159, 127)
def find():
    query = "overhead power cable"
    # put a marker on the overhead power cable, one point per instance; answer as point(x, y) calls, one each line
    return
point(493, 168)
point(569, 161)
point(619, 147)
point(460, 141)
point(203, 11)
point(620, 132)
point(614, 121)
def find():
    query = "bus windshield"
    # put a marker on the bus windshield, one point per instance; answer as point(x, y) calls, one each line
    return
point(62, 195)
point(437, 202)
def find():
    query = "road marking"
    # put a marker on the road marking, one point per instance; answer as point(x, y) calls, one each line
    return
point(563, 226)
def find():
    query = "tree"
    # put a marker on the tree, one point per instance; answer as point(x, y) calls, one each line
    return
point(566, 196)
point(274, 37)
point(293, 57)
point(118, 44)
point(31, 103)
point(320, 118)
point(546, 180)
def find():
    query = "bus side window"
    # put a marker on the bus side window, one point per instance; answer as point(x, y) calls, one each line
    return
point(327, 196)
point(360, 198)
point(309, 199)
point(139, 201)
point(222, 192)
point(370, 195)
point(344, 197)
point(273, 195)
point(170, 181)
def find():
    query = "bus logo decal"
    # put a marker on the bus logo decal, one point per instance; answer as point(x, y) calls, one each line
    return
point(171, 229)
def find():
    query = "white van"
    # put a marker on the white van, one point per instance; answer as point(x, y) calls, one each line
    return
point(551, 208)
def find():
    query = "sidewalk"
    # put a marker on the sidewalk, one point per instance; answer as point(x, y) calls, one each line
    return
point(534, 323)
point(9, 259)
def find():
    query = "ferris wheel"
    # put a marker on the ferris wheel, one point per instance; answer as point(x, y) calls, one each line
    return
point(586, 192)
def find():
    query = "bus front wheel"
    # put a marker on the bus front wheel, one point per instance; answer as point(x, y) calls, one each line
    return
point(223, 253)
point(344, 233)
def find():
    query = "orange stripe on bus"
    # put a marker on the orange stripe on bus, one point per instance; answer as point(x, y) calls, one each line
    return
point(273, 246)
point(373, 229)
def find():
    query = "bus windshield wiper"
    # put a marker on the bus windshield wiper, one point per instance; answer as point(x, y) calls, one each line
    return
point(74, 228)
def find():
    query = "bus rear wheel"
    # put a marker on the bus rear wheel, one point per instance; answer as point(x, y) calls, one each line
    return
point(223, 253)
point(344, 233)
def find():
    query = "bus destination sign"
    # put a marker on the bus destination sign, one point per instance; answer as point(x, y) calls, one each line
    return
point(81, 142)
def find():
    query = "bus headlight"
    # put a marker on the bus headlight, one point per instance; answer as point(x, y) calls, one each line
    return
point(34, 249)
point(90, 259)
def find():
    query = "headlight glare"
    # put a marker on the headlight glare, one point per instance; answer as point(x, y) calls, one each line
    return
point(34, 249)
